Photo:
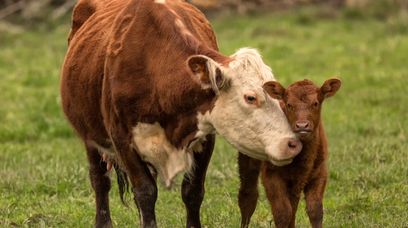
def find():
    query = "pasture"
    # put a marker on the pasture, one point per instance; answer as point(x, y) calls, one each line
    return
point(43, 168)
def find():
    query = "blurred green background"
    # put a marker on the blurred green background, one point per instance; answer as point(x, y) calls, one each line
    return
point(43, 168)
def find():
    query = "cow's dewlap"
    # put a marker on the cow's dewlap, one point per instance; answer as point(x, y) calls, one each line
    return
point(153, 146)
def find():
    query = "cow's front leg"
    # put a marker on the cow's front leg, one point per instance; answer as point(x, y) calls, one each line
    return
point(101, 184)
point(192, 189)
point(248, 192)
point(143, 184)
point(278, 196)
point(145, 194)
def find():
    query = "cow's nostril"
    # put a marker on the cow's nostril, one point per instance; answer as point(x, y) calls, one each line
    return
point(294, 143)
point(294, 146)
point(288, 148)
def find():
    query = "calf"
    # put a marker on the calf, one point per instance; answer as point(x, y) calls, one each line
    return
point(301, 102)
point(146, 89)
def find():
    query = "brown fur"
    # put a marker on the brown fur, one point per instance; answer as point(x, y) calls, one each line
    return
point(126, 63)
point(307, 173)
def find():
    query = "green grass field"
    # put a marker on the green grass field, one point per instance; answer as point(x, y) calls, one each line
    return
point(43, 168)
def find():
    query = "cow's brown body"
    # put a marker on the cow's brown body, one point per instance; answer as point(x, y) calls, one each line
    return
point(103, 102)
point(149, 55)
point(308, 171)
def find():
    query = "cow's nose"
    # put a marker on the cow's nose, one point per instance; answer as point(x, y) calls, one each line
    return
point(302, 125)
point(293, 143)
point(294, 146)
point(287, 150)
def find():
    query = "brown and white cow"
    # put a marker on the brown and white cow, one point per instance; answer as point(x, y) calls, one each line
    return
point(302, 103)
point(146, 89)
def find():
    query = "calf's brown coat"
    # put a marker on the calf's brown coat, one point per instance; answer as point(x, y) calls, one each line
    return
point(301, 102)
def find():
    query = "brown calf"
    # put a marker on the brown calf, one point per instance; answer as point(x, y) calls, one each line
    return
point(301, 102)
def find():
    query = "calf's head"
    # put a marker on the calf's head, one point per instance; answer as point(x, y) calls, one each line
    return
point(242, 111)
point(302, 103)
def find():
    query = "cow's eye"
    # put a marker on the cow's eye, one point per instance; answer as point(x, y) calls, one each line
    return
point(250, 99)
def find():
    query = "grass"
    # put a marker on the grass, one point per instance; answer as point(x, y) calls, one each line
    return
point(43, 168)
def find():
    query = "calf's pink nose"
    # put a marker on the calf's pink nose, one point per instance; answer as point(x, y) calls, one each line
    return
point(302, 125)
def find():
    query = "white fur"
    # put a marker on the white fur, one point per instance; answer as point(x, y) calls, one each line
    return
point(254, 130)
point(160, 1)
point(153, 146)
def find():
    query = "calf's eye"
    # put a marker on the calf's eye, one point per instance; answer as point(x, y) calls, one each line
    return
point(316, 104)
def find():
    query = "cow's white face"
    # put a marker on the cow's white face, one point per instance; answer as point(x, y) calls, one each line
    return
point(244, 114)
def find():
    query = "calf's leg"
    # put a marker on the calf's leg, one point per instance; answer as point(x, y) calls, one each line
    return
point(249, 169)
point(192, 189)
point(294, 202)
point(314, 192)
point(101, 184)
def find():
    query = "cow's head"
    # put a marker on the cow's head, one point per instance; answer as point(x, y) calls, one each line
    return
point(302, 102)
point(243, 113)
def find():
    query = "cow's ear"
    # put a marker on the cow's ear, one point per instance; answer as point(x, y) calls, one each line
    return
point(207, 72)
point(330, 87)
point(274, 89)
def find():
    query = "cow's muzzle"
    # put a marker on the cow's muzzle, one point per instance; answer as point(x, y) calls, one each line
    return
point(288, 149)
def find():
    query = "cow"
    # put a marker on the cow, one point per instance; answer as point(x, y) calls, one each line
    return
point(146, 89)
point(302, 104)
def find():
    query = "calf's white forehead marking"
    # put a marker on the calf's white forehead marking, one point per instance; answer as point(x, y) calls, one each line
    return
point(153, 146)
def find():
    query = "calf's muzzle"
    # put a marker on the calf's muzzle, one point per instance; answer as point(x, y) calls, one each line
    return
point(302, 125)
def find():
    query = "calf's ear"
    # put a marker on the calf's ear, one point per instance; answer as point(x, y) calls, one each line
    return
point(207, 72)
point(330, 87)
point(274, 89)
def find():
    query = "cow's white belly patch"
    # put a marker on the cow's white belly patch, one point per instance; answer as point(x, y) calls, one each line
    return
point(153, 146)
